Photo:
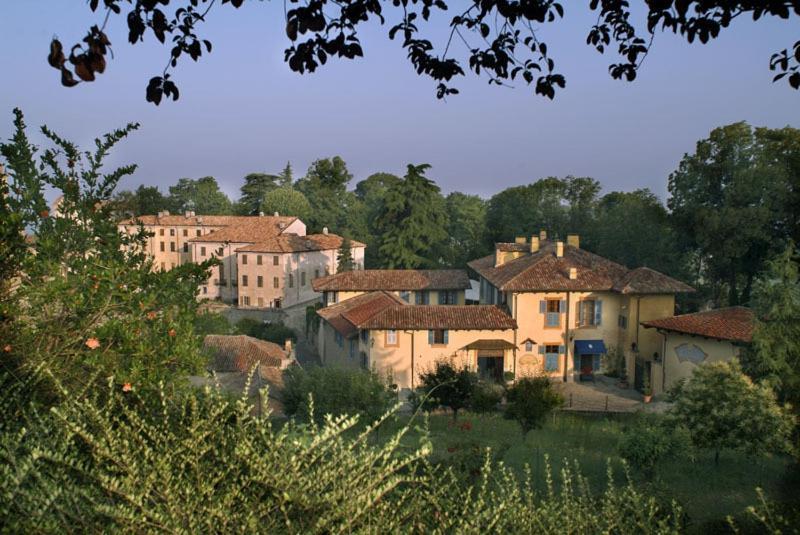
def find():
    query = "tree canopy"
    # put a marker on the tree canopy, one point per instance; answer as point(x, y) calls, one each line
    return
point(286, 201)
point(503, 39)
point(202, 196)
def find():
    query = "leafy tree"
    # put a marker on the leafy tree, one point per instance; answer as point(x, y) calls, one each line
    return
point(413, 221)
point(530, 400)
point(774, 356)
point(651, 440)
point(325, 187)
point(145, 200)
point(503, 40)
point(337, 392)
point(723, 409)
point(202, 196)
point(86, 301)
point(371, 193)
point(255, 188)
point(344, 257)
point(727, 200)
point(211, 323)
point(487, 396)
point(275, 332)
point(447, 386)
point(466, 230)
point(286, 201)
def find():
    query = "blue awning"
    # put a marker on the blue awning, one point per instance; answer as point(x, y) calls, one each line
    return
point(589, 347)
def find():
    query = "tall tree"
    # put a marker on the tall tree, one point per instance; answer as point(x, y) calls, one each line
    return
point(727, 203)
point(325, 187)
point(286, 201)
point(286, 177)
point(370, 194)
point(413, 222)
point(202, 196)
point(344, 257)
point(255, 187)
point(145, 200)
point(466, 229)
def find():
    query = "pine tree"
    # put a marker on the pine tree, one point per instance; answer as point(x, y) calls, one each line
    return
point(413, 221)
point(344, 258)
point(285, 177)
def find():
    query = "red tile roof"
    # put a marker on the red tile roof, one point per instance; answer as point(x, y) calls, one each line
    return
point(196, 220)
point(543, 271)
point(454, 317)
point(251, 229)
point(241, 353)
point(292, 243)
point(393, 280)
point(732, 323)
point(347, 316)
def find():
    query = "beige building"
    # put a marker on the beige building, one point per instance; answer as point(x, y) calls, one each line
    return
point(265, 261)
point(378, 330)
point(690, 340)
point(413, 286)
point(571, 306)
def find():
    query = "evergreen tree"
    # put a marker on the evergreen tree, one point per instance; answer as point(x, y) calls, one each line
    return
point(202, 196)
point(344, 258)
point(413, 222)
point(325, 187)
point(255, 187)
point(286, 177)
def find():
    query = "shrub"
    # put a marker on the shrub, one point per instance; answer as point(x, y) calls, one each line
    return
point(212, 323)
point(447, 386)
point(336, 391)
point(652, 440)
point(614, 362)
point(530, 400)
point(674, 392)
point(275, 332)
point(486, 396)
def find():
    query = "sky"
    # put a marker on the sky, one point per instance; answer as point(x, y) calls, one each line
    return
point(242, 110)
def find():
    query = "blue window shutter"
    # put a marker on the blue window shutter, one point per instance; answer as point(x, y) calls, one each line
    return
point(430, 337)
point(596, 363)
point(446, 337)
point(580, 312)
point(541, 349)
point(562, 350)
point(542, 306)
point(598, 312)
point(562, 306)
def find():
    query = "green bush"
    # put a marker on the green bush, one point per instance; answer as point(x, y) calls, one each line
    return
point(275, 332)
point(335, 391)
point(529, 400)
point(651, 440)
point(447, 386)
point(486, 397)
point(212, 323)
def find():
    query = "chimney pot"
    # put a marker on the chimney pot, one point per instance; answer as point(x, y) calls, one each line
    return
point(574, 240)
point(261, 214)
point(534, 244)
point(325, 230)
point(499, 258)
point(559, 249)
point(542, 235)
point(276, 214)
point(287, 346)
point(187, 214)
point(519, 239)
point(573, 273)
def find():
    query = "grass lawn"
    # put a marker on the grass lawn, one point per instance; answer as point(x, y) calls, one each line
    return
point(707, 493)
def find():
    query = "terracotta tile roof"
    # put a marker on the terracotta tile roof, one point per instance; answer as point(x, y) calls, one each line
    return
point(543, 271)
point(490, 344)
point(393, 279)
point(249, 230)
point(194, 221)
point(241, 353)
point(513, 247)
point(347, 316)
point(292, 243)
point(455, 317)
point(732, 323)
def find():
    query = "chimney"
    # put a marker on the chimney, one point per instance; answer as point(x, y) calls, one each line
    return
point(574, 240)
point(573, 273)
point(499, 258)
point(559, 249)
point(519, 239)
point(287, 347)
point(187, 214)
point(534, 244)
point(276, 214)
point(325, 230)
point(542, 235)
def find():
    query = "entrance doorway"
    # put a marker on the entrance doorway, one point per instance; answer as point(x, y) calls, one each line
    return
point(587, 368)
point(490, 368)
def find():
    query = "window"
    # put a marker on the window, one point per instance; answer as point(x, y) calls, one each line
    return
point(258, 260)
point(302, 278)
point(353, 345)
point(423, 297)
point(622, 321)
point(244, 280)
point(162, 247)
point(222, 271)
point(589, 312)
point(365, 336)
point(172, 232)
point(244, 259)
point(205, 289)
point(202, 251)
point(185, 232)
point(260, 302)
point(185, 247)
point(316, 273)
point(172, 265)
point(276, 260)
point(331, 297)
point(161, 232)
point(260, 281)
point(275, 282)
point(528, 346)
point(198, 232)
point(245, 300)
point(391, 337)
point(437, 337)
point(339, 339)
point(291, 280)
point(405, 296)
point(163, 266)
point(172, 246)
point(447, 297)
point(551, 353)
point(552, 309)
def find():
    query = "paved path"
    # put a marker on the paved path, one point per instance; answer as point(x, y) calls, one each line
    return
point(603, 395)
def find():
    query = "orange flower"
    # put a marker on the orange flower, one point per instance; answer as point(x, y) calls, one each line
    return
point(172, 333)
point(44, 213)
point(92, 343)
point(151, 315)
point(7, 348)
point(127, 387)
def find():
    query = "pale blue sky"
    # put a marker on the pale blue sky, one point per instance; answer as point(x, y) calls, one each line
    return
point(243, 110)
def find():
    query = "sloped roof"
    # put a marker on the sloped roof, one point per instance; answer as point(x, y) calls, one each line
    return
point(733, 323)
point(393, 279)
point(292, 243)
point(347, 316)
point(252, 229)
point(193, 221)
point(455, 317)
point(241, 353)
point(543, 271)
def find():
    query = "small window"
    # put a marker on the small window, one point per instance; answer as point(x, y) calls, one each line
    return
point(353, 346)
point(586, 315)
point(260, 281)
point(276, 260)
point(161, 232)
point(172, 246)
point(172, 232)
point(202, 251)
point(339, 339)
point(198, 232)
point(162, 247)
point(391, 337)
point(423, 297)
point(185, 247)
point(244, 280)
point(260, 302)
point(622, 321)
point(528, 346)
point(551, 353)
point(365, 336)
point(437, 337)
point(222, 271)
point(246, 300)
point(258, 260)
point(316, 273)
point(405, 296)
point(163, 266)
point(244, 259)
point(172, 265)
point(291, 280)
point(275, 282)
point(205, 289)
point(553, 313)
point(185, 232)
point(302, 278)
point(447, 297)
